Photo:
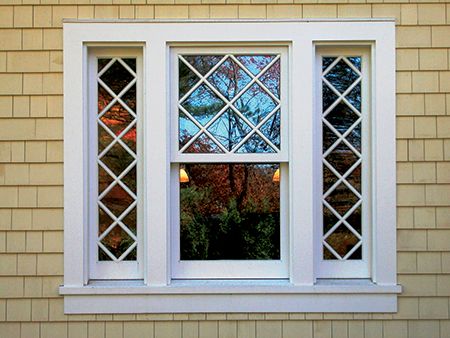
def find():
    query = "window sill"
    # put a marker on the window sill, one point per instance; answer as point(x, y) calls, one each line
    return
point(230, 296)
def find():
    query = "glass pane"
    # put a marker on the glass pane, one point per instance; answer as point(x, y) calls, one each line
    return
point(229, 79)
point(229, 82)
point(120, 124)
point(229, 211)
point(342, 241)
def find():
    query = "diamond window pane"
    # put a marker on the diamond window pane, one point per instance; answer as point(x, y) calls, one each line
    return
point(117, 200)
point(117, 77)
point(117, 159)
point(341, 117)
point(203, 104)
point(341, 76)
point(342, 158)
point(342, 199)
point(342, 240)
point(117, 241)
point(229, 79)
point(229, 129)
point(255, 104)
point(354, 97)
point(117, 118)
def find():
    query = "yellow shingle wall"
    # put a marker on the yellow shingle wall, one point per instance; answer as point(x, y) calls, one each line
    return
point(31, 167)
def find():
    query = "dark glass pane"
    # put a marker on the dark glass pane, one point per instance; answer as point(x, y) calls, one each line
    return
point(255, 63)
point(131, 63)
point(117, 159)
point(326, 62)
point(327, 254)
point(354, 97)
point(102, 63)
point(130, 220)
point(354, 220)
point(255, 144)
point(255, 104)
point(342, 240)
point(229, 79)
point(187, 79)
point(104, 221)
point(203, 104)
point(203, 63)
point(117, 77)
point(104, 179)
point(355, 178)
point(203, 144)
point(355, 137)
point(230, 211)
point(329, 220)
point(117, 241)
point(187, 129)
point(342, 158)
point(356, 61)
point(271, 129)
point(104, 138)
point(132, 256)
point(129, 98)
point(129, 138)
point(328, 179)
point(341, 76)
point(117, 200)
point(229, 129)
point(342, 199)
point(103, 98)
point(328, 97)
point(329, 137)
point(130, 179)
point(357, 254)
point(341, 117)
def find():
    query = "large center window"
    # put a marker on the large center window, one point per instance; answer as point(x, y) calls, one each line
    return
point(229, 141)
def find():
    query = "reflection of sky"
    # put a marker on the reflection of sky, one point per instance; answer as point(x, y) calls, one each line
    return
point(230, 80)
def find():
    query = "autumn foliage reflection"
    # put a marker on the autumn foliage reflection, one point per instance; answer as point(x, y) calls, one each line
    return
point(230, 211)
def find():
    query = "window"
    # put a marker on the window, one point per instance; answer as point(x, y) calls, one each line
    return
point(243, 167)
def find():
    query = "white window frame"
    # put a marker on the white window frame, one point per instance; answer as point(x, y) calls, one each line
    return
point(228, 269)
point(303, 291)
point(109, 269)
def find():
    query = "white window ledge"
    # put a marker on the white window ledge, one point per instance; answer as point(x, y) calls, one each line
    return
point(231, 296)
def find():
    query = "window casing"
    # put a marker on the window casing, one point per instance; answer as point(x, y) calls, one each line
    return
point(165, 285)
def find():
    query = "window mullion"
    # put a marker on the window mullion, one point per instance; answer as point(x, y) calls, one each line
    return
point(301, 165)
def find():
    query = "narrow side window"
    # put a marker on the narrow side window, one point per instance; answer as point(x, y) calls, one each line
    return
point(114, 163)
point(345, 193)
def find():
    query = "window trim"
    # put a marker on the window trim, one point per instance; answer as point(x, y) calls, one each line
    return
point(157, 292)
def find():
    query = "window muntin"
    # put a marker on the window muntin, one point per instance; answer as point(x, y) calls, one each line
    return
point(344, 81)
point(230, 106)
point(114, 115)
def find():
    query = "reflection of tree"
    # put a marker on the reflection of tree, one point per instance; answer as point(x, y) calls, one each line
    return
point(230, 211)
point(230, 79)
point(342, 117)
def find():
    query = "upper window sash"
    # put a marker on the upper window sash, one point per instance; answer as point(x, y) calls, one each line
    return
point(197, 135)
